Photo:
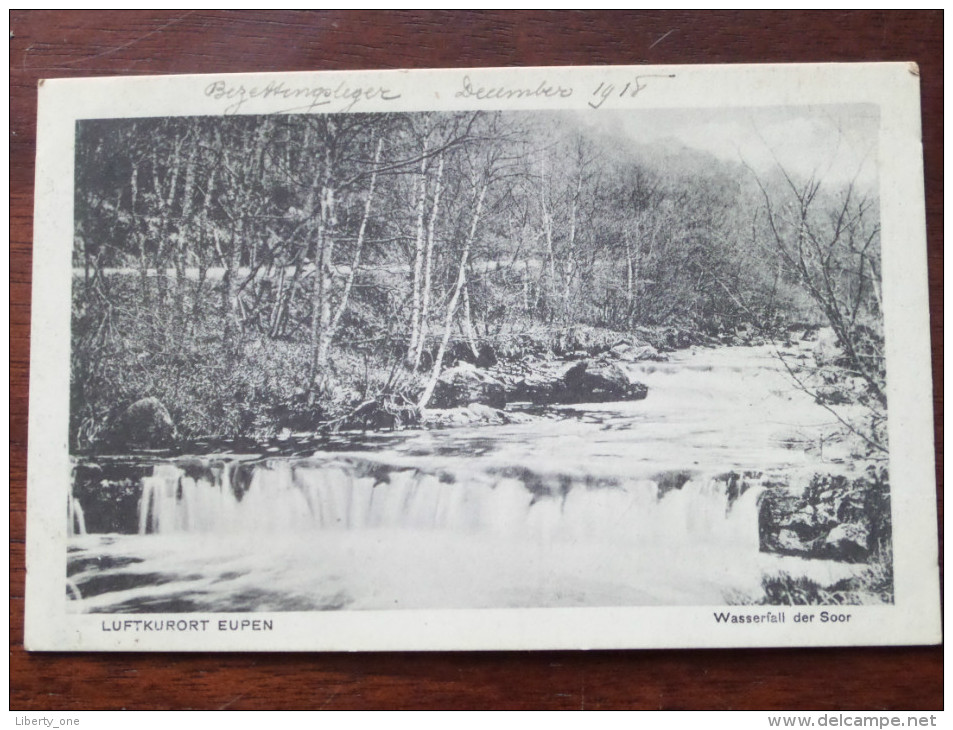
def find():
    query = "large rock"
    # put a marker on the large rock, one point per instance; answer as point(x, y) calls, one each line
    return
point(586, 381)
point(377, 415)
point(465, 384)
point(146, 424)
point(596, 381)
point(789, 541)
point(636, 353)
point(539, 386)
point(848, 541)
point(833, 517)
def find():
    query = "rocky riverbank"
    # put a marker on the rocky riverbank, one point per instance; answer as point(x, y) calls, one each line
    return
point(833, 516)
point(704, 442)
point(493, 386)
point(499, 382)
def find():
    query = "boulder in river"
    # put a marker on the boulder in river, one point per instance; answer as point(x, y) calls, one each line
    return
point(598, 381)
point(146, 424)
point(586, 381)
point(380, 414)
point(539, 385)
point(636, 353)
point(466, 384)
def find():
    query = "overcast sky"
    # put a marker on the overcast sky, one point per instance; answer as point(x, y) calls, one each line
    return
point(836, 143)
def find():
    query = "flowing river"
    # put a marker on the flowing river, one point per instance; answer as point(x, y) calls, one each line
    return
point(652, 502)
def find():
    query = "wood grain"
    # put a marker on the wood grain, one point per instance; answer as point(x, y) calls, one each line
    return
point(73, 43)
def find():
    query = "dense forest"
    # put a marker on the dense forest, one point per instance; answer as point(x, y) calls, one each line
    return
point(261, 273)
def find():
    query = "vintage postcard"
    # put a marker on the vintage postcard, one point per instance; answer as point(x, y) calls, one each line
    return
point(536, 358)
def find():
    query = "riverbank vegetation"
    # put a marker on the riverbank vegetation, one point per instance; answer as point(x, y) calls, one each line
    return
point(294, 273)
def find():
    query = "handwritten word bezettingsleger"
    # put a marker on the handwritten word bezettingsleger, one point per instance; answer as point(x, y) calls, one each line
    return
point(314, 97)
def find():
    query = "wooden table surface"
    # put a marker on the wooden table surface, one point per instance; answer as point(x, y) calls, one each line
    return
point(73, 43)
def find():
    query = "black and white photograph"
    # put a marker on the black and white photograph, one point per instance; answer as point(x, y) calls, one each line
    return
point(544, 345)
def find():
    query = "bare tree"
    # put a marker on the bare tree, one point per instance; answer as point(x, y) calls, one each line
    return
point(425, 293)
point(833, 246)
point(335, 322)
point(455, 297)
point(831, 243)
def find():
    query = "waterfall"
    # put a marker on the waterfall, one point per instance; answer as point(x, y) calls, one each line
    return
point(76, 520)
point(288, 496)
point(632, 504)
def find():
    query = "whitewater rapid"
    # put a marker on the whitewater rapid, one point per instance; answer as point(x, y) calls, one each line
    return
point(652, 502)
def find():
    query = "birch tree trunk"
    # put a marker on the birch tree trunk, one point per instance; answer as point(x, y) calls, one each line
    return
point(276, 313)
point(335, 322)
point(428, 268)
point(321, 306)
point(184, 230)
point(454, 301)
point(138, 233)
point(203, 229)
point(164, 253)
point(571, 266)
point(548, 234)
point(229, 289)
point(468, 330)
point(323, 248)
point(419, 243)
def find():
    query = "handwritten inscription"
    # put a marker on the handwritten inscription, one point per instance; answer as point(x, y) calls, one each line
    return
point(605, 91)
point(545, 90)
point(344, 97)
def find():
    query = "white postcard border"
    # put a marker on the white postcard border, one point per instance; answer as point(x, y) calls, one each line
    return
point(913, 619)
